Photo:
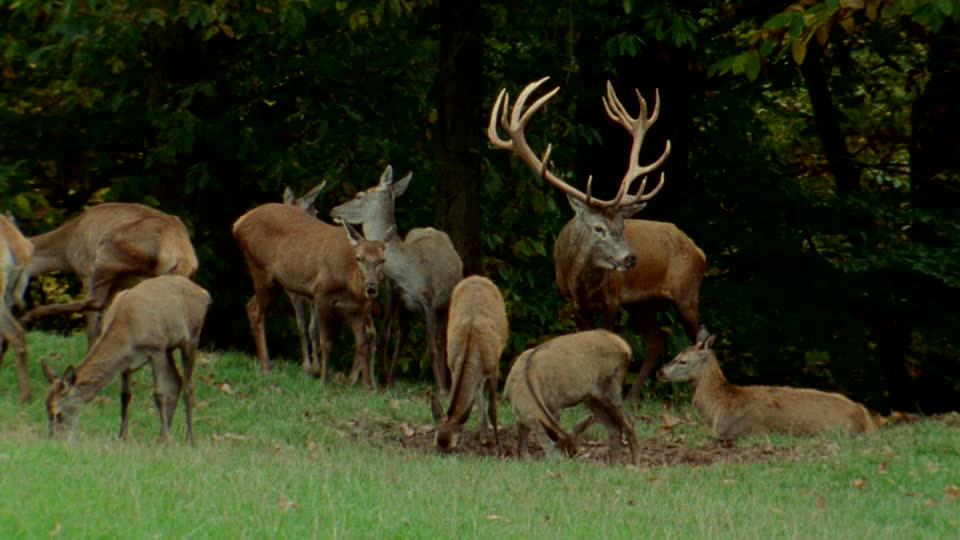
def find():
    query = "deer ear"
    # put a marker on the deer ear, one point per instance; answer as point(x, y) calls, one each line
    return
point(436, 409)
point(306, 201)
point(577, 205)
point(391, 234)
point(401, 186)
point(386, 178)
point(48, 372)
point(69, 376)
point(288, 196)
point(702, 333)
point(352, 234)
point(708, 343)
point(631, 209)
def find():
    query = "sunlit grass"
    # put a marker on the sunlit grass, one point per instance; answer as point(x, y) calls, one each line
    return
point(282, 456)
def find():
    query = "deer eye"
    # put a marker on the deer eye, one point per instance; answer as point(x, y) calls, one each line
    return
point(600, 230)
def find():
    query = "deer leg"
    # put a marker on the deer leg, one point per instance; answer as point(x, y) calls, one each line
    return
point(300, 307)
point(188, 356)
point(322, 314)
point(644, 319)
point(403, 331)
point(166, 391)
point(364, 336)
point(383, 339)
point(614, 432)
point(256, 313)
point(523, 434)
point(492, 412)
point(441, 375)
point(126, 394)
point(13, 334)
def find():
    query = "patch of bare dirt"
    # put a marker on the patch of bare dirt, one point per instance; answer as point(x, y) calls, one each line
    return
point(654, 452)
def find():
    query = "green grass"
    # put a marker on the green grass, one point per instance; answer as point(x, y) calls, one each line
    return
point(281, 456)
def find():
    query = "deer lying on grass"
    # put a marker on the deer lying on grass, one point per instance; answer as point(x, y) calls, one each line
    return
point(15, 253)
point(585, 367)
point(145, 323)
point(339, 271)
point(306, 323)
point(734, 411)
point(603, 260)
point(423, 269)
point(476, 335)
point(110, 247)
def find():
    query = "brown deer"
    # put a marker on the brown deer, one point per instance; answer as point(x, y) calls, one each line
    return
point(734, 411)
point(306, 323)
point(15, 253)
point(110, 247)
point(586, 367)
point(339, 271)
point(422, 269)
point(603, 260)
point(144, 324)
point(476, 335)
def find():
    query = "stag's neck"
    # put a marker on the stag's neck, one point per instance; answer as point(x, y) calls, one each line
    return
point(50, 250)
point(403, 267)
point(712, 393)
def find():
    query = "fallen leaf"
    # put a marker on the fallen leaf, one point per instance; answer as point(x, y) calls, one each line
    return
point(407, 430)
point(554, 474)
point(952, 492)
point(729, 481)
point(821, 502)
point(287, 504)
point(230, 437)
point(57, 529)
point(882, 468)
point(858, 483)
point(655, 480)
point(668, 420)
point(225, 388)
point(494, 517)
point(426, 428)
point(930, 502)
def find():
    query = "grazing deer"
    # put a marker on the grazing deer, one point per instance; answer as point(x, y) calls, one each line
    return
point(585, 367)
point(476, 335)
point(144, 324)
point(423, 269)
point(603, 260)
point(734, 411)
point(306, 323)
point(339, 271)
point(111, 246)
point(15, 253)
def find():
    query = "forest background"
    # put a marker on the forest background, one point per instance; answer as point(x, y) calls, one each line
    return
point(815, 152)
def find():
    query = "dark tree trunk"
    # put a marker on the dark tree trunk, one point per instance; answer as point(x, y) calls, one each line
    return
point(457, 169)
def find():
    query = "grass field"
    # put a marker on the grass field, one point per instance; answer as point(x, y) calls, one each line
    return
point(282, 456)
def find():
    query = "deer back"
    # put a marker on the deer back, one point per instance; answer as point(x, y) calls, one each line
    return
point(669, 264)
point(151, 242)
point(303, 254)
point(438, 261)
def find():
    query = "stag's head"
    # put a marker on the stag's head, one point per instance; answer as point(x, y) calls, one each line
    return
point(63, 405)
point(370, 256)
point(598, 224)
point(374, 206)
point(689, 365)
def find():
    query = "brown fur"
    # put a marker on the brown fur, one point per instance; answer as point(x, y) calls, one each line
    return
point(111, 246)
point(477, 332)
point(734, 411)
point(669, 269)
point(15, 253)
point(585, 367)
point(145, 323)
point(285, 248)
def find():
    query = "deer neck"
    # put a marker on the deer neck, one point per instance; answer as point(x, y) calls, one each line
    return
point(711, 391)
point(403, 267)
point(376, 227)
point(106, 359)
point(50, 250)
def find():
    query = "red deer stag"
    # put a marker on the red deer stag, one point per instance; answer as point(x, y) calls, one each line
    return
point(585, 367)
point(603, 260)
point(476, 335)
point(111, 246)
point(423, 269)
point(734, 411)
point(144, 324)
point(338, 270)
point(15, 253)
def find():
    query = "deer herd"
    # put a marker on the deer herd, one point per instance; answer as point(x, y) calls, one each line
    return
point(136, 266)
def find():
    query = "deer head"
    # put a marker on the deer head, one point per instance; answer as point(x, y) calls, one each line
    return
point(374, 207)
point(689, 364)
point(598, 223)
point(62, 403)
point(370, 258)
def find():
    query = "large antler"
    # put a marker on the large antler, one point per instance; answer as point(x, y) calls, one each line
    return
point(638, 129)
point(517, 143)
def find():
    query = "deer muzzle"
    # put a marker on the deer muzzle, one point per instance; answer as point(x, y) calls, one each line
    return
point(370, 288)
